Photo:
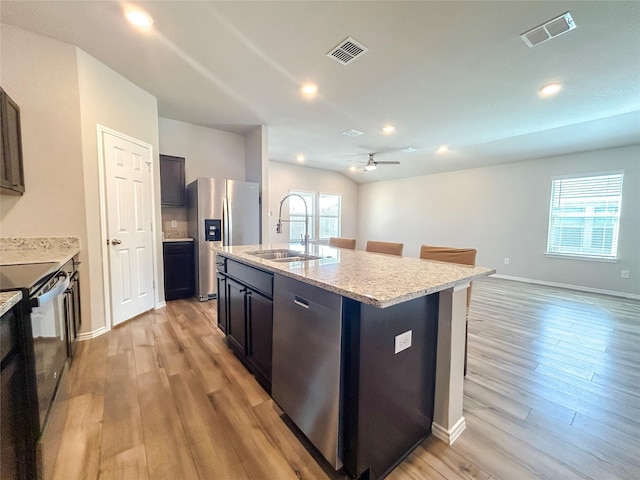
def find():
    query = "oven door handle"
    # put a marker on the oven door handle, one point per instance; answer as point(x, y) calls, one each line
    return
point(61, 286)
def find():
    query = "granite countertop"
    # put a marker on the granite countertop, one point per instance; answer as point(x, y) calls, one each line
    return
point(372, 278)
point(15, 251)
point(185, 239)
point(8, 300)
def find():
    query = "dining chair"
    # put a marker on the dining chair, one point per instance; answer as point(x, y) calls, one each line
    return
point(343, 242)
point(389, 248)
point(463, 256)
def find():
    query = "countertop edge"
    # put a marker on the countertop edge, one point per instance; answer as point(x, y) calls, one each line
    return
point(369, 300)
point(8, 300)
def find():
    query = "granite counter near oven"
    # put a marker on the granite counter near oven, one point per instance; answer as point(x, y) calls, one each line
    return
point(8, 300)
point(17, 251)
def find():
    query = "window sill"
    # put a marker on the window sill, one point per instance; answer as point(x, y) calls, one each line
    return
point(580, 257)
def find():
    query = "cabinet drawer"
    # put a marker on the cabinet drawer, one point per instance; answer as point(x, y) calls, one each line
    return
point(256, 279)
point(221, 263)
point(178, 248)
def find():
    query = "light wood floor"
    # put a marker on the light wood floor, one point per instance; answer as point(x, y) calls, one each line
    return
point(552, 392)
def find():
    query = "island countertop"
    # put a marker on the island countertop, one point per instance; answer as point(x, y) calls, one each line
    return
point(372, 278)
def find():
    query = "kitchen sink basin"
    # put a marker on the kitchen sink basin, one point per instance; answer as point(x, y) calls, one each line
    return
point(283, 255)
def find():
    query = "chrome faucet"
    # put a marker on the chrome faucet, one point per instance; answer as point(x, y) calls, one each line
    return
point(304, 241)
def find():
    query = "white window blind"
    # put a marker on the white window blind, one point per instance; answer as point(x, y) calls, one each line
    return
point(328, 215)
point(296, 215)
point(584, 217)
point(324, 216)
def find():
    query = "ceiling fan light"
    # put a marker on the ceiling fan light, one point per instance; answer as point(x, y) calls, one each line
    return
point(369, 167)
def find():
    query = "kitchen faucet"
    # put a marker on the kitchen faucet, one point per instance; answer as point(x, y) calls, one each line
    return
point(305, 240)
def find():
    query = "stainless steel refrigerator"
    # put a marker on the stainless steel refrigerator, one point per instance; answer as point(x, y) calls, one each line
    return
point(220, 212)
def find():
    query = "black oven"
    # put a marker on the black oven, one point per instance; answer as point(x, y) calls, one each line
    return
point(48, 295)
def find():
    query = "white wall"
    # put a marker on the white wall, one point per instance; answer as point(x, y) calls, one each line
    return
point(41, 75)
point(257, 168)
point(110, 100)
point(63, 93)
point(208, 152)
point(284, 177)
point(503, 211)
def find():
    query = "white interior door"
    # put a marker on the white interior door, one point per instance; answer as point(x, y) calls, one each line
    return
point(128, 200)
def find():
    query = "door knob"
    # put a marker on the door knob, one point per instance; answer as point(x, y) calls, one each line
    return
point(115, 241)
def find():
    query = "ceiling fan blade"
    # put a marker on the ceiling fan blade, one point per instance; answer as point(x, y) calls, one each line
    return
point(387, 163)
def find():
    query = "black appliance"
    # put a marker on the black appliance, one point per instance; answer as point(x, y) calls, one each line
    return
point(45, 291)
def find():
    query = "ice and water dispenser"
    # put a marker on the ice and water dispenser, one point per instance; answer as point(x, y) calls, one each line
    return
point(212, 230)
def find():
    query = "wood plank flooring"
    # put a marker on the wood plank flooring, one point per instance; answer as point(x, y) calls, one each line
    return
point(552, 391)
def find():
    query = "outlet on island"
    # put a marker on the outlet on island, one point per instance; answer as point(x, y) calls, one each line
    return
point(402, 342)
point(174, 224)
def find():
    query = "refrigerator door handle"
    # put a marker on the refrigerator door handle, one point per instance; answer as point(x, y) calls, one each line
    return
point(226, 220)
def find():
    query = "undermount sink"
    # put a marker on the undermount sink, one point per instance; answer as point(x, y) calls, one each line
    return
point(283, 255)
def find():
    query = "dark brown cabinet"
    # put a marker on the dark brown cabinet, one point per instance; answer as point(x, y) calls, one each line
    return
point(14, 428)
point(11, 168)
point(245, 303)
point(172, 181)
point(179, 270)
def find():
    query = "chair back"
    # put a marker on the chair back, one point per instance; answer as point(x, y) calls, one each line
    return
point(343, 242)
point(463, 256)
point(389, 248)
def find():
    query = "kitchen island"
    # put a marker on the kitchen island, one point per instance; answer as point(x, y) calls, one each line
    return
point(368, 349)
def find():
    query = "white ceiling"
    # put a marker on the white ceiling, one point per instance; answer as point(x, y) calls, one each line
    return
point(452, 72)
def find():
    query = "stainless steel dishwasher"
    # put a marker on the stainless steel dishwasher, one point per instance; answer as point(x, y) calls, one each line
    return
point(307, 362)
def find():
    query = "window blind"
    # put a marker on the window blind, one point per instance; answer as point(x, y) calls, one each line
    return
point(584, 217)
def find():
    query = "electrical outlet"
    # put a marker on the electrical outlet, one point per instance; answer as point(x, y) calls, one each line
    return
point(402, 341)
point(506, 260)
point(174, 224)
point(624, 273)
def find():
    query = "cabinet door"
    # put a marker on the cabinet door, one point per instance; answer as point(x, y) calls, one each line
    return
point(236, 307)
point(12, 175)
point(179, 273)
point(172, 192)
point(260, 322)
point(222, 302)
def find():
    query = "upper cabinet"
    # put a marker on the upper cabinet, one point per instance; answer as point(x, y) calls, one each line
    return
point(11, 170)
point(172, 183)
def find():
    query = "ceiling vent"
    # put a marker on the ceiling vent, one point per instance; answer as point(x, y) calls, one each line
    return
point(347, 51)
point(352, 132)
point(548, 30)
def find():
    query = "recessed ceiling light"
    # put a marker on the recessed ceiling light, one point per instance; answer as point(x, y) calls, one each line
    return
point(409, 150)
point(550, 89)
point(309, 89)
point(387, 129)
point(300, 158)
point(442, 149)
point(139, 18)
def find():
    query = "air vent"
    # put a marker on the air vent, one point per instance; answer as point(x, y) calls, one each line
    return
point(348, 50)
point(548, 30)
point(352, 133)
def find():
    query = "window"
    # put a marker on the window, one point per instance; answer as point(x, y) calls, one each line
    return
point(584, 217)
point(324, 216)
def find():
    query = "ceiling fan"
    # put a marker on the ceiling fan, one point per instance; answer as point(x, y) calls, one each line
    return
point(372, 164)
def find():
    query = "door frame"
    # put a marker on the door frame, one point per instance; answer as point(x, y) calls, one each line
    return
point(102, 179)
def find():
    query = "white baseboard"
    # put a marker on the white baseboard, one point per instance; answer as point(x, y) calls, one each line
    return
point(449, 436)
point(160, 305)
point(89, 335)
point(579, 288)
